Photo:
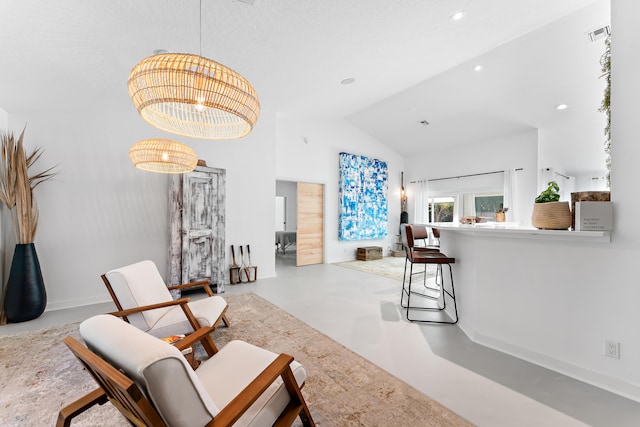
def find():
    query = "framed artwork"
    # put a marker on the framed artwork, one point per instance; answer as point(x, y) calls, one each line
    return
point(363, 198)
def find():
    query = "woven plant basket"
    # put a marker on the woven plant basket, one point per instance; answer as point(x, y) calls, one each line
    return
point(551, 216)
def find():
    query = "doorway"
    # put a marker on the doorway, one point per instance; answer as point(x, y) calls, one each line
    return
point(299, 211)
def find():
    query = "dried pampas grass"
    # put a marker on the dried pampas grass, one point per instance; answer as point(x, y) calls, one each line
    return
point(16, 186)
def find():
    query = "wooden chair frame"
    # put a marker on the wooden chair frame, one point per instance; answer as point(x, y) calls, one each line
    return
point(207, 341)
point(124, 394)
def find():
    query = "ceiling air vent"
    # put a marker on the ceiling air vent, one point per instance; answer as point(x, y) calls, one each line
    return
point(599, 33)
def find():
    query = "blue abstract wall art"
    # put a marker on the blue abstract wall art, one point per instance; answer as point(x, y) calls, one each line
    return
point(363, 198)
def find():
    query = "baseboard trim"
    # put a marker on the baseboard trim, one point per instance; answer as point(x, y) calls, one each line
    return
point(613, 385)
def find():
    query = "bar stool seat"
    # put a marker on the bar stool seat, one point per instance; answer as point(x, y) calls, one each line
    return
point(427, 298)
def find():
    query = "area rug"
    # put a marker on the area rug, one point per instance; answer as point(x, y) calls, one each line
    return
point(40, 375)
point(389, 267)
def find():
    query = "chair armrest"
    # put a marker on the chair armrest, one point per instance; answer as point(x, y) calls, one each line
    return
point(74, 409)
point(202, 283)
point(238, 406)
point(123, 313)
point(192, 338)
point(201, 336)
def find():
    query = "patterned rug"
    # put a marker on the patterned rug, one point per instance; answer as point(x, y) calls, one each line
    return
point(39, 375)
point(389, 267)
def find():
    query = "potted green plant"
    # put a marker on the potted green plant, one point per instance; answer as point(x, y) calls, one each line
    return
point(549, 213)
point(24, 296)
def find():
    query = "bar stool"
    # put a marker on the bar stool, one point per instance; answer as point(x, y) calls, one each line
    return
point(436, 236)
point(429, 298)
point(420, 232)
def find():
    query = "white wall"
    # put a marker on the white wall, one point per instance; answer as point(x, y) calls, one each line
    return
point(4, 119)
point(317, 161)
point(101, 212)
point(514, 151)
point(4, 126)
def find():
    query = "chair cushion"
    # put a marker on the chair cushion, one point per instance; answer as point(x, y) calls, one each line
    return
point(206, 310)
point(158, 368)
point(140, 284)
point(227, 373)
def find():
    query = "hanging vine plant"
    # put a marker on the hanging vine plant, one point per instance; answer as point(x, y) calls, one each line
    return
point(605, 106)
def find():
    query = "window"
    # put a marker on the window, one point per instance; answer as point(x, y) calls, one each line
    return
point(441, 209)
point(487, 205)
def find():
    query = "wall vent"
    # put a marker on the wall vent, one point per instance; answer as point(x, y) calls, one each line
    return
point(599, 33)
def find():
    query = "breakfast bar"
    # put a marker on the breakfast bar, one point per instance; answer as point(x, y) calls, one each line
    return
point(515, 285)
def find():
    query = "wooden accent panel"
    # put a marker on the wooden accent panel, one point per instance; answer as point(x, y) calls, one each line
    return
point(310, 232)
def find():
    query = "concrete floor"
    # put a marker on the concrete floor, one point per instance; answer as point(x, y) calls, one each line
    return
point(361, 311)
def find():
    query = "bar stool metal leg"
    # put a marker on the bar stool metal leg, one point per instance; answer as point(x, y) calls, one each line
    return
point(445, 292)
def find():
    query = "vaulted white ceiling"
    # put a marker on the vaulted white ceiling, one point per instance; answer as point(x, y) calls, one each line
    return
point(410, 61)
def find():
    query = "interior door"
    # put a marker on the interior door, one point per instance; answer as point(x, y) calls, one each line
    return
point(310, 231)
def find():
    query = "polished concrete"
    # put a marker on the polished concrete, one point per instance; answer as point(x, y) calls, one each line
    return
point(361, 311)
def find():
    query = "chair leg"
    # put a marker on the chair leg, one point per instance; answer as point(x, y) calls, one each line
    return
point(445, 292)
point(404, 279)
point(225, 320)
point(74, 409)
point(209, 345)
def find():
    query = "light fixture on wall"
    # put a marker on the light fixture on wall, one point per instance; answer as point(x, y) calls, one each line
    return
point(193, 96)
point(163, 155)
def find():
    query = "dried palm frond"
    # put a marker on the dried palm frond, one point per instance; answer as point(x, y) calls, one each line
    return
point(16, 186)
point(8, 174)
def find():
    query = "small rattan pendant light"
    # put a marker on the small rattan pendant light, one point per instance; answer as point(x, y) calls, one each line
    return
point(163, 155)
point(193, 96)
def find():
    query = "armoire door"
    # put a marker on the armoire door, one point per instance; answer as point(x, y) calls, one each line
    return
point(197, 243)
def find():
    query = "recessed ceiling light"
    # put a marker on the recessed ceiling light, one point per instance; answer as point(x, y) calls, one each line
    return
point(561, 107)
point(457, 16)
point(477, 68)
point(348, 81)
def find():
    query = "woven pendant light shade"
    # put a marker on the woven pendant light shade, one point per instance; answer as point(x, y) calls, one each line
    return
point(163, 155)
point(193, 96)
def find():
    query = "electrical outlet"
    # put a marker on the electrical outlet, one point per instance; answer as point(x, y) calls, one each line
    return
point(612, 349)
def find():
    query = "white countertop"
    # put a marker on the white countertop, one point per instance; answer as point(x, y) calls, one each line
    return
point(513, 230)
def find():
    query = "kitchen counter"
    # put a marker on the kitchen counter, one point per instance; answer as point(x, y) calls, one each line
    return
point(517, 289)
point(512, 230)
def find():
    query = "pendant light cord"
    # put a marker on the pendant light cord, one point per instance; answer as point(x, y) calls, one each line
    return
point(200, 27)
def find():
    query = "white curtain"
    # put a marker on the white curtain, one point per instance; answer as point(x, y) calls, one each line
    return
point(510, 199)
point(420, 208)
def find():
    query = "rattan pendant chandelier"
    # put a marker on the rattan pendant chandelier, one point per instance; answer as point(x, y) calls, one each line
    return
point(193, 96)
point(163, 155)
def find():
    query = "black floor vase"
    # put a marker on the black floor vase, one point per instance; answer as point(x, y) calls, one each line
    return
point(26, 297)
